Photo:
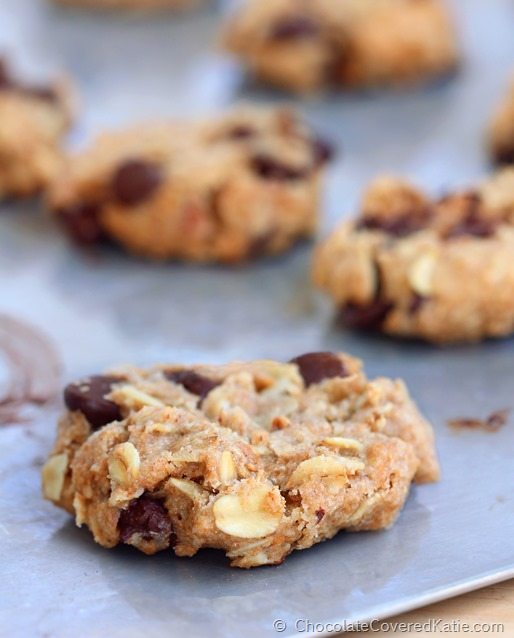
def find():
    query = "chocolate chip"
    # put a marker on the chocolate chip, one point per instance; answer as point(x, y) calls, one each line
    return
point(88, 397)
point(294, 28)
point(322, 151)
point(504, 155)
point(473, 223)
point(135, 181)
point(473, 226)
point(81, 222)
point(317, 366)
point(147, 517)
point(193, 382)
point(369, 316)
point(398, 227)
point(241, 132)
point(415, 304)
point(268, 167)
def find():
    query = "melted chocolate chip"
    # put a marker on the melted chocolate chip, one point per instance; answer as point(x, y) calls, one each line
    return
point(88, 397)
point(193, 382)
point(317, 366)
point(268, 167)
point(294, 28)
point(241, 132)
point(368, 316)
point(322, 151)
point(81, 222)
point(135, 181)
point(399, 227)
point(149, 518)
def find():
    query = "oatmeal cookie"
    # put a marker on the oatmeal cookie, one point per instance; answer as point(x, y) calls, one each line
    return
point(228, 189)
point(501, 130)
point(256, 459)
point(33, 122)
point(441, 270)
point(305, 45)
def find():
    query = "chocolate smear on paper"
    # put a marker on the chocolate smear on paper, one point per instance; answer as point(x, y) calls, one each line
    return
point(30, 370)
point(494, 422)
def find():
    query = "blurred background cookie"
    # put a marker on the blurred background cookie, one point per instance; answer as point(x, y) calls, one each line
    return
point(230, 188)
point(307, 45)
point(413, 266)
point(33, 121)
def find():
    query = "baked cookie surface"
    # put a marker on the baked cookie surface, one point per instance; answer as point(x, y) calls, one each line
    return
point(228, 189)
point(304, 45)
point(501, 130)
point(256, 459)
point(33, 122)
point(411, 266)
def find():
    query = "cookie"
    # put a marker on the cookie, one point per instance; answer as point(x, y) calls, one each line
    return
point(256, 459)
point(305, 45)
point(33, 122)
point(133, 5)
point(232, 188)
point(501, 130)
point(435, 269)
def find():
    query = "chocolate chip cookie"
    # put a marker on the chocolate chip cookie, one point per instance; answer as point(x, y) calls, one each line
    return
point(412, 266)
point(232, 188)
point(33, 122)
point(501, 130)
point(256, 459)
point(305, 45)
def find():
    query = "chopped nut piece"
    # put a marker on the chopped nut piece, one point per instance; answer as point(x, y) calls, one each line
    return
point(243, 549)
point(343, 443)
point(252, 515)
point(124, 463)
point(322, 465)
point(54, 471)
point(421, 274)
point(189, 488)
point(160, 428)
point(227, 468)
point(135, 398)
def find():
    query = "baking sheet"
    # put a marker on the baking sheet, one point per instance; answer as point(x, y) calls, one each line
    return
point(106, 309)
